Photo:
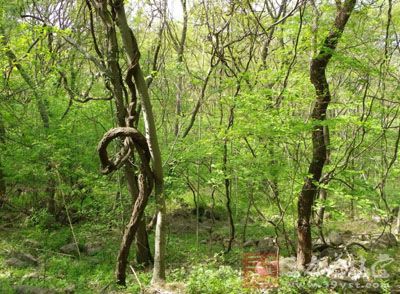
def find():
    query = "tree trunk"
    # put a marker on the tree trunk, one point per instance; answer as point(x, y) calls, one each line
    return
point(321, 211)
point(143, 252)
point(145, 184)
point(181, 48)
point(130, 231)
point(159, 254)
point(323, 97)
point(323, 193)
point(3, 198)
point(227, 183)
point(136, 225)
point(133, 55)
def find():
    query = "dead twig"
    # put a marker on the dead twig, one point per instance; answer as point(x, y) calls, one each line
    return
point(137, 279)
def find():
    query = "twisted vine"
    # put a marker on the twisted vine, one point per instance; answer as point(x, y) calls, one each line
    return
point(133, 140)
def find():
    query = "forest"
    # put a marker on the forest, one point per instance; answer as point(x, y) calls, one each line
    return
point(198, 146)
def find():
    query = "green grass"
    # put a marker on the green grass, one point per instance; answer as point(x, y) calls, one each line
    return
point(191, 259)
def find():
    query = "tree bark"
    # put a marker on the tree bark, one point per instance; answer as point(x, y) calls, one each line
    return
point(132, 228)
point(3, 198)
point(227, 183)
point(323, 193)
point(144, 256)
point(181, 49)
point(143, 252)
point(323, 97)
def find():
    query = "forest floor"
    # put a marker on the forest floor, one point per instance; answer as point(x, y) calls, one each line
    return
point(31, 256)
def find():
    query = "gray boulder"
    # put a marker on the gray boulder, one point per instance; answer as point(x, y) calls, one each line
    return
point(23, 289)
point(267, 245)
point(250, 243)
point(335, 238)
point(339, 238)
point(15, 262)
point(31, 276)
point(287, 265)
point(19, 260)
point(71, 249)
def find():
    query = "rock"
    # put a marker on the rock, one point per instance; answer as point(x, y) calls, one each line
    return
point(387, 240)
point(381, 220)
point(343, 267)
point(347, 236)
point(71, 249)
point(287, 265)
point(32, 290)
point(27, 258)
point(15, 262)
point(250, 243)
point(323, 263)
point(19, 259)
point(335, 238)
point(266, 245)
point(330, 253)
point(33, 275)
point(313, 265)
point(339, 238)
point(376, 219)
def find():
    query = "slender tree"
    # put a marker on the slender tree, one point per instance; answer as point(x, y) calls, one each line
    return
point(180, 49)
point(2, 180)
point(323, 96)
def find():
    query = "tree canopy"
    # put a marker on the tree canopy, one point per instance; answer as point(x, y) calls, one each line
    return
point(192, 129)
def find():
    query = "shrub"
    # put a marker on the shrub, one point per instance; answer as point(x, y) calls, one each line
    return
point(208, 280)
